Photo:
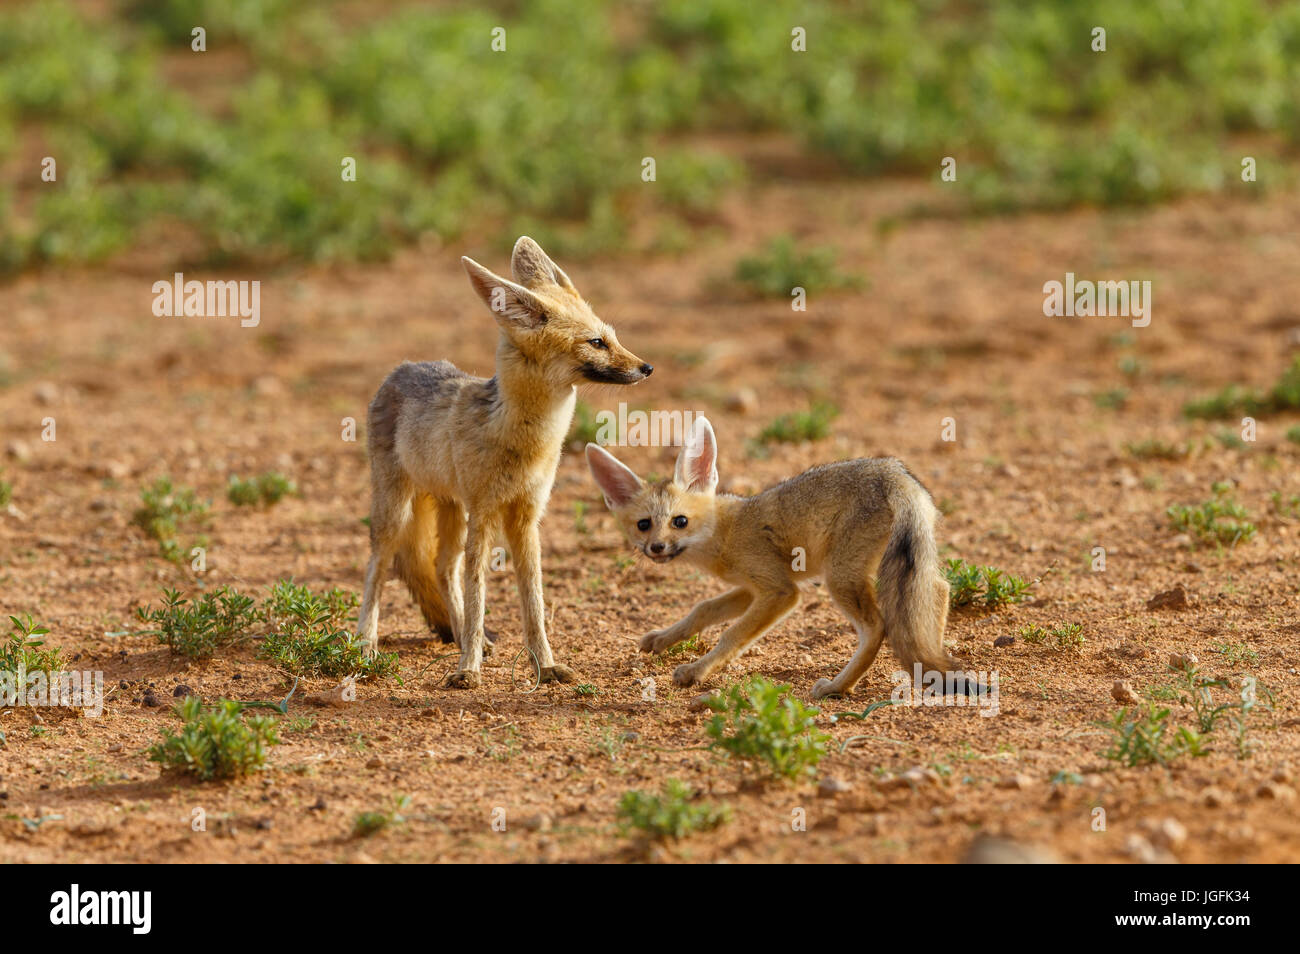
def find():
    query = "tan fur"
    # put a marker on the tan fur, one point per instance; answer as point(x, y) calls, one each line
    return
point(847, 523)
point(457, 461)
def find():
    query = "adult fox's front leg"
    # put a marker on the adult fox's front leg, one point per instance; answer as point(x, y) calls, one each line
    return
point(526, 546)
point(478, 541)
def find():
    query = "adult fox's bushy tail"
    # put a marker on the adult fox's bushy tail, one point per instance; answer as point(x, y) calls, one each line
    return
point(911, 590)
point(416, 565)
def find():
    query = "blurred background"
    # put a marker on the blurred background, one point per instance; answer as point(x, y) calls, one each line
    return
point(233, 155)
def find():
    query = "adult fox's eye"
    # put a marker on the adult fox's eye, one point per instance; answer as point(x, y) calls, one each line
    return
point(679, 522)
point(643, 525)
point(597, 342)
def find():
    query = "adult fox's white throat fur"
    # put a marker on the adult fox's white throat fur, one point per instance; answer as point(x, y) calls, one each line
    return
point(456, 461)
point(849, 523)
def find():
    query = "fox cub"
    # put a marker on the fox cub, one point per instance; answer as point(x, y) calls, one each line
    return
point(456, 460)
point(849, 522)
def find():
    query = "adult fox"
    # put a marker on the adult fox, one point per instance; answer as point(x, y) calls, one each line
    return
point(456, 460)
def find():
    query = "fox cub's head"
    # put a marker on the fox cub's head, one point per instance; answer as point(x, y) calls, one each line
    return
point(665, 519)
point(542, 315)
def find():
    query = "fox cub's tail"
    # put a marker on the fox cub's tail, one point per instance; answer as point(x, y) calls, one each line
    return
point(911, 591)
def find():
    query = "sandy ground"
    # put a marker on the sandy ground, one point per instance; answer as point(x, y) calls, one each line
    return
point(950, 324)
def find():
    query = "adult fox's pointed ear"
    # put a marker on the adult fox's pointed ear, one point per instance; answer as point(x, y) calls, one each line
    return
point(532, 267)
point(615, 479)
point(513, 305)
point(697, 464)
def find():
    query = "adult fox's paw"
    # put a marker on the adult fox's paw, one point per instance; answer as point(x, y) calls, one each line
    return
point(558, 673)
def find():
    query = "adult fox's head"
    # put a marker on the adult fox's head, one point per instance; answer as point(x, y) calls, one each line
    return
point(547, 323)
point(665, 519)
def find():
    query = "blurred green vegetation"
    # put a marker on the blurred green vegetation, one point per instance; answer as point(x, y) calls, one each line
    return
point(244, 156)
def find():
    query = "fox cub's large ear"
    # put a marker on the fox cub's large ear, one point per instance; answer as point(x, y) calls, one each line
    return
point(533, 267)
point(697, 464)
point(616, 481)
point(513, 305)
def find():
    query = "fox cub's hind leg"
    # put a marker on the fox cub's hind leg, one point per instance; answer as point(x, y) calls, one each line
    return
point(856, 598)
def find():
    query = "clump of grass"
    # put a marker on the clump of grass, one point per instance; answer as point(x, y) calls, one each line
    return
point(754, 723)
point(198, 628)
point(6, 492)
point(813, 424)
point(1235, 654)
point(164, 510)
point(309, 635)
point(22, 649)
point(689, 645)
point(779, 268)
point(1221, 519)
point(1196, 690)
point(1148, 736)
point(1113, 399)
point(1237, 401)
point(1293, 434)
point(216, 742)
point(267, 489)
point(672, 813)
point(371, 823)
point(1285, 506)
point(1065, 637)
point(973, 585)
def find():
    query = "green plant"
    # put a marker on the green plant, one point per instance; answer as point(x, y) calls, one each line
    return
point(216, 742)
point(308, 635)
point(1237, 653)
point(970, 584)
point(1069, 636)
point(778, 269)
point(1236, 401)
point(22, 649)
point(1148, 736)
point(198, 628)
point(166, 509)
point(267, 489)
point(6, 493)
point(752, 722)
point(672, 813)
point(1155, 449)
point(1293, 434)
point(1285, 506)
point(371, 823)
point(813, 424)
point(1221, 519)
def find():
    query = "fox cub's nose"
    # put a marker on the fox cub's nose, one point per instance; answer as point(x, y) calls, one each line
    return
point(657, 547)
point(647, 369)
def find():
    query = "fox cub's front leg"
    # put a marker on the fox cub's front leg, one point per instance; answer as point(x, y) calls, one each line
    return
point(719, 609)
point(760, 615)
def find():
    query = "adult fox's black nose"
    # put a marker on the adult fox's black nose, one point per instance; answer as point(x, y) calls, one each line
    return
point(647, 369)
point(657, 547)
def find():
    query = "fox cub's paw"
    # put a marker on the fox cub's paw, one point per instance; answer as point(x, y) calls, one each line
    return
point(558, 673)
point(464, 680)
point(658, 640)
point(823, 688)
point(686, 675)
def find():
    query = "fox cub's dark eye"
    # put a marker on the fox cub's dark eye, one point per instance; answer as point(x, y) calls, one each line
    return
point(597, 343)
point(679, 522)
point(643, 524)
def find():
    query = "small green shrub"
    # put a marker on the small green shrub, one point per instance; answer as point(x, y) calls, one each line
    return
point(1221, 519)
point(310, 636)
point(971, 585)
point(813, 424)
point(670, 814)
point(371, 823)
point(1148, 736)
point(198, 628)
point(216, 742)
point(778, 269)
point(23, 648)
point(266, 489)
point(6, 493)
point(755, 724)
point(165, 510)
point(1235, 401)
